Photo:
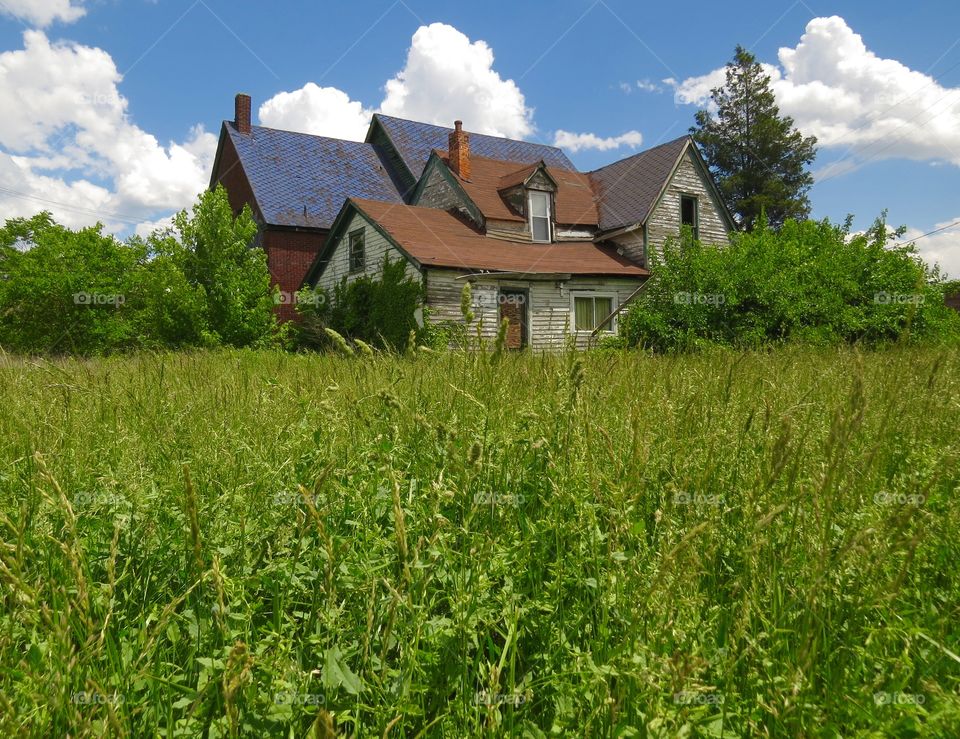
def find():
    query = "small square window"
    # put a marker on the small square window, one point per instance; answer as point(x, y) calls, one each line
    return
point(689, 214)
point(357, 251)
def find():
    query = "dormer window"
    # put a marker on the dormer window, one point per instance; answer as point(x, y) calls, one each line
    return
point(540, 216)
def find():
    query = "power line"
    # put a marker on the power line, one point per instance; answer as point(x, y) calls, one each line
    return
point(931, 233)
point(130, 220)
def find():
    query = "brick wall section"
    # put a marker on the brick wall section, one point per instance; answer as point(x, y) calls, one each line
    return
point(289, 253)
point(953, 301)
point(289, 256)
point(230, 174)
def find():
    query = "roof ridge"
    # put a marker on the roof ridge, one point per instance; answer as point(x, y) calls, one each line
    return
point(473, 133)
point(642, 153)
point(232, 126)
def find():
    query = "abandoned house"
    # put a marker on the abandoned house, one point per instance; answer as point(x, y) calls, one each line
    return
point(556, 251)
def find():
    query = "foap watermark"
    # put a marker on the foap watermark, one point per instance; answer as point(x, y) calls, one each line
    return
point(87, 499)
point(487, 698)
point(290, 698)
point(490, 299)
point(685, 298)
point(286, 498)
point(693, 698)
point(504, 499)
point(283, 297)
point(98, 99)
point(884, 498)
point(85, 298)
point(885, 298)
point(899, 699)
point(697, 499)
point(90, 698)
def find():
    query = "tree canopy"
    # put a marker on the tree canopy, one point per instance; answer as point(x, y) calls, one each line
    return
point(759, 159)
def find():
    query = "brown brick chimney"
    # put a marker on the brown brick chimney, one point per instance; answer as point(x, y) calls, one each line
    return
point(241, 117)
point(459, 150)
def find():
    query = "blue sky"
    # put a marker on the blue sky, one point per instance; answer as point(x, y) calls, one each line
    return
point(111, 107)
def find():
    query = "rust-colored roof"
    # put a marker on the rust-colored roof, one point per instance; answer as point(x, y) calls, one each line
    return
point(437, 238)
point(518, 177)
point(576, 205)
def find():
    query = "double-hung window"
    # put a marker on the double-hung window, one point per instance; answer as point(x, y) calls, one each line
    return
point(540, 215)
point(357, 251)
point(590, 309)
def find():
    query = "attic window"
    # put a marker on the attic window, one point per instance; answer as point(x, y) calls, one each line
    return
point(690, 214)
point(540, 215)
point(357, 251)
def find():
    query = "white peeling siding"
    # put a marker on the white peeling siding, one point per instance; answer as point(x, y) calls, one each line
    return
point(376, 247)
point(549, 311)
point(664, 222)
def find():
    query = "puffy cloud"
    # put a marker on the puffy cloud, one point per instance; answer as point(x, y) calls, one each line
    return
point(42, 12)
point(326, 111)
point(841, 92)
point(696, 90)
point(577, 141)
point(446, 77)
point(70, 146)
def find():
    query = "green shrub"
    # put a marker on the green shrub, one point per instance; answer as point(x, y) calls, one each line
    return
point(380, 311)
point(811, 281)
point(84, 292)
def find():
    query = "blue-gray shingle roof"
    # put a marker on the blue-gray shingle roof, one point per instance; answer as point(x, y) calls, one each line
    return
point(414, 142)
point(627, 190)
point(303, 180)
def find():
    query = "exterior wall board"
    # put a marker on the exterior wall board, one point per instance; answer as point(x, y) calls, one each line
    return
point(549, 310)
point(664, 222)
point(375, 248)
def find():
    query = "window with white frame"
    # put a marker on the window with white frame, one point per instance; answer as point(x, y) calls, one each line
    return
point(540, 215)
point(589, 309)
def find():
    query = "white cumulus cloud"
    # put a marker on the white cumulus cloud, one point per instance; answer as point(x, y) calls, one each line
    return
point(325, 111)
point(42, 12)
point(446, 77)
point(868, 107)
point(67, 143)
point(575, 142)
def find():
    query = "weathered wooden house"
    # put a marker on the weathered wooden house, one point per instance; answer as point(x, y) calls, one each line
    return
point(556, 251)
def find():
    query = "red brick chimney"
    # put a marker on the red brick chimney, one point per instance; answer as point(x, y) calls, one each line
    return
point(459, 150)
point(241, 117)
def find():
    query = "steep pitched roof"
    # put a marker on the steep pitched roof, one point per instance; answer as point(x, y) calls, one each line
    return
point(302, 180)
point(414, 141)
point(437, 238)
point(575, 202)
point(627, 190)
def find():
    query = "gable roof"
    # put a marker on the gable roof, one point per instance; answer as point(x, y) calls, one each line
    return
point(414, 141)
point(575, 203)
point(437, 238)
point(299, 179)
point(627, 190)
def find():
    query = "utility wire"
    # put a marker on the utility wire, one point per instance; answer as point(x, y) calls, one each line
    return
point(130, 220)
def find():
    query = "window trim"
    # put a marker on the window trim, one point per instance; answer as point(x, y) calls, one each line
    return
point(695, 227)
point(362, 233)
point(549, 216)
point(614, 305)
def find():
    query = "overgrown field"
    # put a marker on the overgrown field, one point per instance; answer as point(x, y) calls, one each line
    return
point(612, 544)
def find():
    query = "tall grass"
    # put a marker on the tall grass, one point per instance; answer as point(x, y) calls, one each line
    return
point(253, 544)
